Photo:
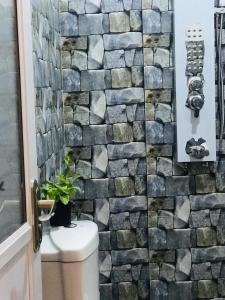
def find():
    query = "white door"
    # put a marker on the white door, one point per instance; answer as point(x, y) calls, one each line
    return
point(20, 266)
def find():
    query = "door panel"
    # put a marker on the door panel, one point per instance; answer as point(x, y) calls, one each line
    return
point(20, 266)
point(12, 196)
point(16, 268)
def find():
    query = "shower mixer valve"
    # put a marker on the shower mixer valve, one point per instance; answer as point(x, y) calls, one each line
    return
point(195, 101)
point(196, 83)
point(194, 69)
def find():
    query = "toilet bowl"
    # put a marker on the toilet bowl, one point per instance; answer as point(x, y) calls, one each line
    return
point(70, 262)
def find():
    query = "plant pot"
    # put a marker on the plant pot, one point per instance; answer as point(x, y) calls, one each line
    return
point(62, 215)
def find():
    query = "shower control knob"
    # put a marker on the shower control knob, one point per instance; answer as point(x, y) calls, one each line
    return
point(195, 102)
point(197, 148)
point(195, 83)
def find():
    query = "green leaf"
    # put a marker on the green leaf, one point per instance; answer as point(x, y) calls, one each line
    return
point(68, 160)
point(65, 200)
point(64, 188)
point(75, 176)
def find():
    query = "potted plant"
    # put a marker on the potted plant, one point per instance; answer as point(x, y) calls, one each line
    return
point(62, 191)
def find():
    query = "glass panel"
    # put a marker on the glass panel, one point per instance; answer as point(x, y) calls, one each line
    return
point(11, 175)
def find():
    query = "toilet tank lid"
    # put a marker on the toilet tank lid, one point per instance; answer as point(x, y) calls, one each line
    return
point(70, 244)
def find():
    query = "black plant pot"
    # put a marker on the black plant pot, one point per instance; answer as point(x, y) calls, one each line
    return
point(62, 216)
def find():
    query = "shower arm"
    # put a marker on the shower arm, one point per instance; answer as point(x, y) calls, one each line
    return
point(221, 79)
point(219, 26)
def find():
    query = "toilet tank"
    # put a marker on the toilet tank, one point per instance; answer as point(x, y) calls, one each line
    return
point(70, 262)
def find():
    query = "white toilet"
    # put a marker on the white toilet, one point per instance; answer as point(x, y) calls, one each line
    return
point(70, 262)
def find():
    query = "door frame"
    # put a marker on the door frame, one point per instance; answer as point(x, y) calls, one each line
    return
point(22, 238)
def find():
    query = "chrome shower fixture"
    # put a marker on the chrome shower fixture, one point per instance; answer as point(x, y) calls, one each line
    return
point(195, 83)
point(195, 101)
point(195, 80)
point(197, 149)
point(194, 70)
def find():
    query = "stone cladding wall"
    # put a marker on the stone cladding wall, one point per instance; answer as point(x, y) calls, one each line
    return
point(103, 67)
point(120, 126)
point(48, 86)
point(186, 202)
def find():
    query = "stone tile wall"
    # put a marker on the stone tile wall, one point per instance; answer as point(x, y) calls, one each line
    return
point(103, 67)
point(120, 126)
point(186, 203)
point(48, 86)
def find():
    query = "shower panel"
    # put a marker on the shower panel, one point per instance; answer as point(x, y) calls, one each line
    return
point(195, 80)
